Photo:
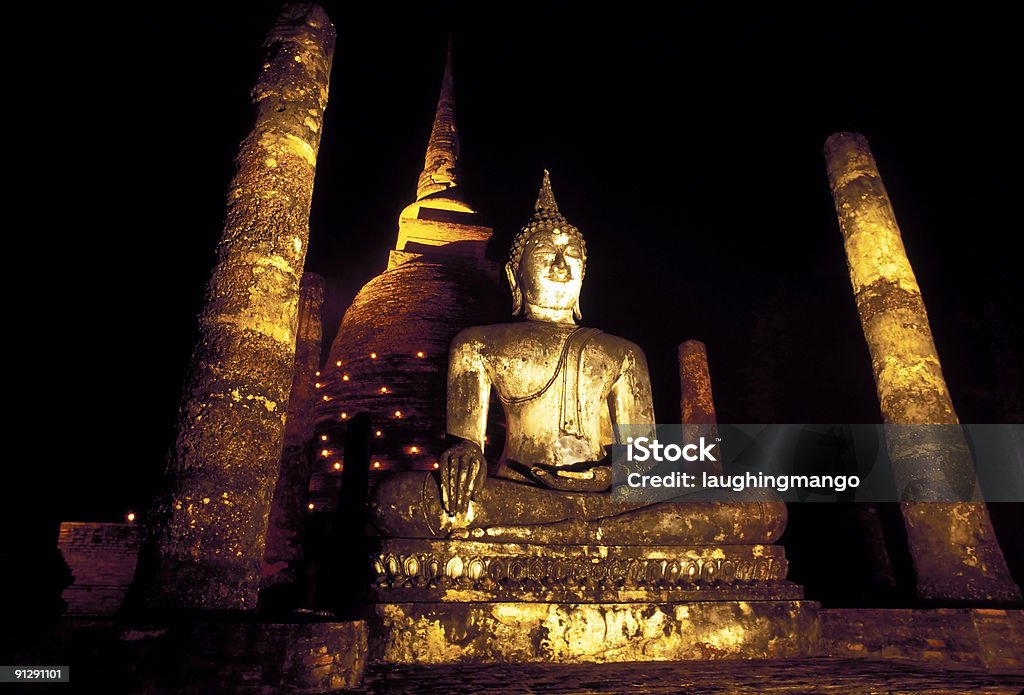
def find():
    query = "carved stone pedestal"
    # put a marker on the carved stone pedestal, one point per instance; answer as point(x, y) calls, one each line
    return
point(467, 601)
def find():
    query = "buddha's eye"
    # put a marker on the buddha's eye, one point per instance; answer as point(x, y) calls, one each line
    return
point(573, 251)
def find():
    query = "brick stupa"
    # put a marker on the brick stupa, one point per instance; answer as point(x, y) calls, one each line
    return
point(389, 357)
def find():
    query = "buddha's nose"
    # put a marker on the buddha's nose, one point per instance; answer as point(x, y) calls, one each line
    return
point(559, 262)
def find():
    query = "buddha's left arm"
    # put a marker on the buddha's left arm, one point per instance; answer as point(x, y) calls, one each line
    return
point(630, 399)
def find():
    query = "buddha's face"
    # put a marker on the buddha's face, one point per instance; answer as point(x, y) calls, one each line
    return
point(551, 270)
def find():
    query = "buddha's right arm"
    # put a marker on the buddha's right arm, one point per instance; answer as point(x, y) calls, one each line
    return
point(469, 389)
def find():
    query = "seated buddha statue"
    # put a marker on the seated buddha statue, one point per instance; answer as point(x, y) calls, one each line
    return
point(562, 388)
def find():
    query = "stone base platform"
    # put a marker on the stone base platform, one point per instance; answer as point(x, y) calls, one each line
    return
point(991, 638)
point(507, 632)
point(471, 601)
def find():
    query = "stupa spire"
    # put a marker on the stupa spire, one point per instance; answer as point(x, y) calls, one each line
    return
point(440, 166)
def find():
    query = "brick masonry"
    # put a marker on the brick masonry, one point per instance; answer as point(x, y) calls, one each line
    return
point(102, 560)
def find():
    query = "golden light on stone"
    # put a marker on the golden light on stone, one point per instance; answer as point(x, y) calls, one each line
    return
point(398, 413)
point(376, 464)
point(318, 384)
point(209, 557)
point(336, 364)
point(318, 374)
point(420, 354)
point(953, 545)
point(378, 433)
point(344, 416)
point(323, 437)
point(326, 398)
point(344, 377)
point(310, 506)
point(325, 452)
point(131, 517)
point(558, 412)
point(373, 355)
point(337, 465)
point(383, 389)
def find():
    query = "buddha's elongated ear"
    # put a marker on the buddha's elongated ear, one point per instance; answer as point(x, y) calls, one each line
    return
point(517, 294)
point(576, 313)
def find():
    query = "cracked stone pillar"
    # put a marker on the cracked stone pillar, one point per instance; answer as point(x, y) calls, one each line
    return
point(208, 524)
point(955, 552)
point(283, 555)
point(696, 403)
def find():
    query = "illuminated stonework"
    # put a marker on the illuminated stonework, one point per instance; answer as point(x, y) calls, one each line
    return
point(209, 523)
point(457, 571)
point(570, 632)
point(696, 401)
point(538, 560)
point(932, 464)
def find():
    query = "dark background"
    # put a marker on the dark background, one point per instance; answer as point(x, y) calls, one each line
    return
point(686, 147)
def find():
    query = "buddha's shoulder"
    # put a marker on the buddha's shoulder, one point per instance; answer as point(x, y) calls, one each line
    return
point(507, 334)
point(619, 345)
point(477, 332)
point(619, 348)
point(490, 334)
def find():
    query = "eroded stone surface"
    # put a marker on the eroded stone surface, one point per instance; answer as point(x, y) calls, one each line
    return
point(209, 523)
point(954, 548)
point(985, 637)
point(430, 633)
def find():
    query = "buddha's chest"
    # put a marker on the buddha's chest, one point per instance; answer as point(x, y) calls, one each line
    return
point(545, 367)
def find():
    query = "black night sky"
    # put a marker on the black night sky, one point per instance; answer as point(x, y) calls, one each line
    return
point(686, 146)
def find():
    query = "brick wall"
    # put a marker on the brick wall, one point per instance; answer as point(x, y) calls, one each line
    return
point(102, 562)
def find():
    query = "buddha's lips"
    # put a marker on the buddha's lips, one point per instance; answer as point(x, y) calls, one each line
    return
point(556, 276)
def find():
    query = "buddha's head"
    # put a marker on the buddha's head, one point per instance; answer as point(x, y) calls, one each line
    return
point(549, 257)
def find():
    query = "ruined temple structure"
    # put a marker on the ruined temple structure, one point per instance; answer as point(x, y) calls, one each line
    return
point(239, 588)
point(390, 354)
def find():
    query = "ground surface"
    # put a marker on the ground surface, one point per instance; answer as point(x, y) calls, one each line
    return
point(838, 676)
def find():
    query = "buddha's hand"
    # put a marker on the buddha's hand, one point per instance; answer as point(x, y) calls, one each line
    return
point(463, 473)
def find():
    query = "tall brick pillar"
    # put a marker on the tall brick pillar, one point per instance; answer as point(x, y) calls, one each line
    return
point(696, 401)
point(955, 552)
point(207, 527)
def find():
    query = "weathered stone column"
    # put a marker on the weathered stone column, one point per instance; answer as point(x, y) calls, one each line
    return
point(291, 495)
point(696, 403)
point(208, 525)
point(955, 551)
